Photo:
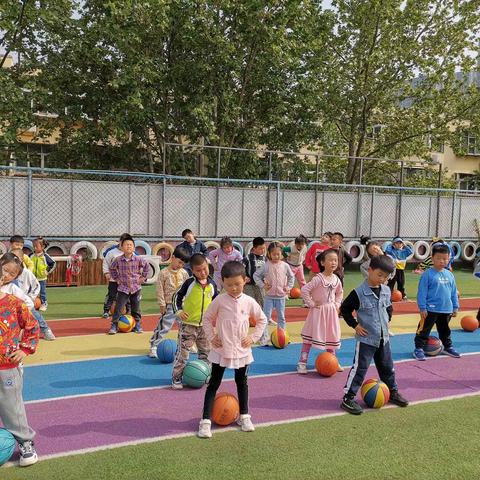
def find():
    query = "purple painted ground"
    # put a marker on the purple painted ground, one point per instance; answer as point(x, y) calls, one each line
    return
point(85, 422)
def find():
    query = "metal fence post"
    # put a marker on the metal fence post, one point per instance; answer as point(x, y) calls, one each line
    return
point(217, 195)
point(164, 158)
point(400, 201)
point(315, 214)
point(29, 202)
point(437, 222)
point(164, 187)
point(277, 206)
point(267, 233)
point(454, 197)
point(372, 208)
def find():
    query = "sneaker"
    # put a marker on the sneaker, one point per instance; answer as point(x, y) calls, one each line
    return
point(177, 385)
point(391, 333)
point(43, 307)
point(245, 422)
point(405, 298)
point(205, 428)
point(340, 368)
point(351, 406)
point(153, 352)
point(262, 343)
point(138, 330)
point(397, 399)
point(48, 334)
point(113, 330)
point(451, 352)
point(105, 315)
point(419, 354)
point(302, 368)
point(272, 322)
point(28, 454)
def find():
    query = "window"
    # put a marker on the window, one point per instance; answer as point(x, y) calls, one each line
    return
point(472, 146)
point(467, 181)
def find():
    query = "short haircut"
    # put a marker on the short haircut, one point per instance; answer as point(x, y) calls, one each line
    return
point(321, 257)
point(181, 254)
point(383, 263)
point(337, 234)
point(187, 230)
point(10, 257)
point(225, 241)
point(125, 237)
point(258, 241)
point(197, 259)
point(233, 269)
point(301, 239)
point(440, 248)
point(17, 239)
point(327, 234)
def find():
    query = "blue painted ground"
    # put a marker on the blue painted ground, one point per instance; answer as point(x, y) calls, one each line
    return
point(94, 376)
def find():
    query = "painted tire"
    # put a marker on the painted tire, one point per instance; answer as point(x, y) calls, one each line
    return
point(248, 248)
point(457, 248)
point(91, 249)
point(163, 245)
point(154, 268)
point(238, 246)
point(143, 244)
point(106, 246)
point(357, 256)
point(468, 251)
point(211, 245)
point(3, 248)
point(60, 246)
point(28, 244)
point(420, 246)
point(407, 243)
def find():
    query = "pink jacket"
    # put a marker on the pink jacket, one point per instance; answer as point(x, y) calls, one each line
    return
point(228, 317)
point(278, 275)
point(322, 291)
point(218, 258)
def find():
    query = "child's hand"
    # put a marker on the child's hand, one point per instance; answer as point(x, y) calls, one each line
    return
point(247, 280)
point(454, 314)
point(182, 315)
point(423, 315)
point(318, 304)
point(247, 342)
point(163, 309)
point(267, 286)
point(142, 279)
point(361, 331)
point(286, 291)
point(17, 356)
point(216, 342)
point(108, 277)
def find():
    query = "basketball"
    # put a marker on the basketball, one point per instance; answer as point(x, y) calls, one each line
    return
point(251, 321)
point(166, 350)
point(469, 323)
point(112, 309)
point(225, 409)
point(326, 364)
point(396, 296)
point(7, 445)
point(280, 338)
point(375, 393)
point(433, 347)
point(126, 323)
point(295, 292)
point(196, 373)
point(37, 303)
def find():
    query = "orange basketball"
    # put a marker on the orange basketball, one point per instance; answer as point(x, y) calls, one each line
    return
point(251, 321)
point(37, 303)
point(396, 296)
point(295, 292)
point(469, 323)
point(326, 364)
point(225, 409)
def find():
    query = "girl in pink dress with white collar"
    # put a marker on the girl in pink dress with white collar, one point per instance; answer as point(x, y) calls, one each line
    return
point(226, 324)
point(323, 295)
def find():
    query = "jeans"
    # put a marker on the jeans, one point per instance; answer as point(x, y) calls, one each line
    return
point(122, 300)
point(43, 291)
point(270, 303)
point(41, 321)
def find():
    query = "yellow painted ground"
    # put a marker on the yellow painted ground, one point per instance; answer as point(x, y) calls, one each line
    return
point(67, 349)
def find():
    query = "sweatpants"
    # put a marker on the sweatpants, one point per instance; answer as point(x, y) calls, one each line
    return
point(241, 380)
point(364, 353)
point(12, 408)
point(164, 325)
point(255, 292)
point(441, 320)
point(188, 335)
point(398, 279)
point(121, 302)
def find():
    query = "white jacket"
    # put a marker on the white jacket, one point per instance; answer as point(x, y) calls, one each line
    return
point(28, 283)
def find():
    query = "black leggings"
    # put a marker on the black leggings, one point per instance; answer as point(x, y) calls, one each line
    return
point(241, 380)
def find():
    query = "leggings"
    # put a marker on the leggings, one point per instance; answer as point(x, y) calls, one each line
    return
point(241, 380)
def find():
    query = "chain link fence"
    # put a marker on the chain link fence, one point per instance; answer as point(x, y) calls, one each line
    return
point(101, 205)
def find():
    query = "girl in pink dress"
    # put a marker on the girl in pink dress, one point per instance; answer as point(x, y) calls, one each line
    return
point(323, 295)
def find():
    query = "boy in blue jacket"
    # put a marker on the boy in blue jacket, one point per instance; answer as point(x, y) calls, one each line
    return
point(438, 302)
point(371, 301)
point(399, 252)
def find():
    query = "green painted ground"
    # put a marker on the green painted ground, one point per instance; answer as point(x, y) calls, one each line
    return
point(428, 441)
point(88, 301)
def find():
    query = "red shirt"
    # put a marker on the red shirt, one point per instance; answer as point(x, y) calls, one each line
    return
point(311, 257)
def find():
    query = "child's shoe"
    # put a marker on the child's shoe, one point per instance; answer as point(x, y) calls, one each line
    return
point(204, 429)
point(113, 330)
point(153, 352)
point(105, 315)
point(419, 354)
point(245, 422)
point(28, 454)
point(391, 333)
point(48, 334)
point(302, 368)
point(177, 384)
point(451, 352)
point(43, 307)
point(272, 322)
point(351, 406)
point(138, 330)
point(397, 399)
point(340, 368)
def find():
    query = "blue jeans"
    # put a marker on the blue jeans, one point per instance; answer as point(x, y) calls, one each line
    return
point(41, 321)
point(43, 291)
point(270, 303)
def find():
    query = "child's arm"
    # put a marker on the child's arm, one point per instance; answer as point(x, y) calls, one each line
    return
point(338, 295)
point(34, 287)
point(28, 262)
point(349, 305)
point(286, 251)
point(308, 257)
point(177, 300)
point(307, 289)
point(50, 262)
point(144, 268)
point(257, 313)
point(259, 276)
point(347, 258)
point(454, 296)
point(203, 249)
point(114, 269)
point(213, 255)
point(210, 320)
point(290, 277)
point(390, 250)
point(422, 294)
point(160, 290)
point(30, 329)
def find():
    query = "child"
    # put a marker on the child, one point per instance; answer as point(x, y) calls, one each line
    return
point(344, 257)
point(371, 301)
point(189, 304)
point(323, 295)
point(19, 338)
point(219, 256)
point(438, 302)
point(372, 249)
point(169, 281)
point(129, 271)
point(28, 284)
point(252, 262)
point(294, 254)
point(226, 327)
point(427, 263)
point(316, 249)
point(43, 264)
point(16, 241)
point(192, 245)
point(399, 252)
point(277, 279)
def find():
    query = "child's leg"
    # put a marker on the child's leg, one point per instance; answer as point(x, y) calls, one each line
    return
point(120, 303)
point(384, 363)
point(203, 344)
point(12, 409)
point(213, 384)
point(391, 282)
point(164, 325)
point(306, 347)
point(279, 304)
point(135, 309)
point(401, 281)
point(39, 318)
point(424, 328)
point(217, 278)
point(363, 356)
point(186, 339)
point(267, 310)
point(300, 275)
point(110, 297)
point(241, 380)
point(43, 291)
point(443, 328)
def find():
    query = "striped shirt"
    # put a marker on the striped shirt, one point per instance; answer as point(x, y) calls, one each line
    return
point(128, 271)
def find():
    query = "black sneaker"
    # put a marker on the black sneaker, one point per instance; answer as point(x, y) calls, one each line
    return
point(351, 406)
point(397, 399)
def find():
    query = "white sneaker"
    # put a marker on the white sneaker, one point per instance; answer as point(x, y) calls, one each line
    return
point(391, 333)
point(340, 368)
point(48, 334)
point(302, 368)
point(177, 384)
point(245, 422)
point(28, 454)
point(204, 428)
point(272, 322)
point(43, 307)
point(153, 352)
